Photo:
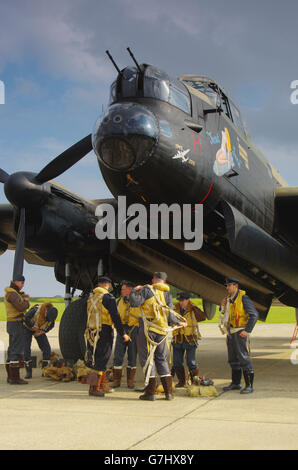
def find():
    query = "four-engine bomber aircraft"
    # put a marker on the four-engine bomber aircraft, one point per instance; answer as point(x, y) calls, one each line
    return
point(161, 140)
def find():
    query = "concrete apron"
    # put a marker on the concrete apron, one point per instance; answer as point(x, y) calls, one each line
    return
point(55, 415)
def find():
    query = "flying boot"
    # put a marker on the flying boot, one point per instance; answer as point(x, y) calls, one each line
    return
point(7, 367)
point(117, 374)
point(94, 380)
point(15, 378)
point(236, 379)
point(131, 372)
point(105, 384)
point(249, 379)
point(180, 372)
point(167, 383)
point(149, 390)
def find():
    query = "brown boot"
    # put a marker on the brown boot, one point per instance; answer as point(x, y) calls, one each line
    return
point(117, 374)
point(15, 375)
point(149, 390)
point(105, 384)
point(131, 372)
point(167, 383)
point(181, 377)
point(94, 380)
point(7, 367)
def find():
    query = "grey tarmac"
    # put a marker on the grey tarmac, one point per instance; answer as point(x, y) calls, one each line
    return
point(55, 415)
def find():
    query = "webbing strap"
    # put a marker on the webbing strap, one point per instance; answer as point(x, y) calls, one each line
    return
point(88, 331)
point(164, 331)
point(223, 319)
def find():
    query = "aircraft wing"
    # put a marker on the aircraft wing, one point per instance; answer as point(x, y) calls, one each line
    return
point(286, 207)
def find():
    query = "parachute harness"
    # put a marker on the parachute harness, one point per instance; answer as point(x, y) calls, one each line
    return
point(224, 324)
point(92, 334)
point(152, 345)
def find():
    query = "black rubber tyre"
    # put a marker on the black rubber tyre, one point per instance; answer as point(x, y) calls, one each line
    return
point(71, 330)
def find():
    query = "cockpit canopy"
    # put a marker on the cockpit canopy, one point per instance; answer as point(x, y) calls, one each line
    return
point(218, 98)
point(150, 82)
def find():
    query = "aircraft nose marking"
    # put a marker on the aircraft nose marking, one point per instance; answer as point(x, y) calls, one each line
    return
point(181, 154)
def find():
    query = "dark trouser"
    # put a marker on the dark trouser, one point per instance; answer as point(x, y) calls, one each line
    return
point(160, 363)
point(15, 351)
point(103, 349)
point(131, 347)
point(178, 355)
point(238, 355)
point(43, 344)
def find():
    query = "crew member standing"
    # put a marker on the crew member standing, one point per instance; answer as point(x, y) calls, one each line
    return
point(155, 302)
point(241, 317)
point(102, 313)
point(130, 318)
point(39, 320)
point(185, 340)
point(16, 303)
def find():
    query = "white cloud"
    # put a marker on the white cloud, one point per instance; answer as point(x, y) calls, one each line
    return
point(49, 37)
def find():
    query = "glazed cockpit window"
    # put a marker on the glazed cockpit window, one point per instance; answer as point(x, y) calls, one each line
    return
point(159, 85)
point(204, 87)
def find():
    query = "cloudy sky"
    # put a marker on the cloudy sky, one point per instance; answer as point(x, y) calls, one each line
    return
point(57, 77)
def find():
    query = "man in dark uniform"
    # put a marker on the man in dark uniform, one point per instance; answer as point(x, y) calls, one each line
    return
point(102, 314)
point(16, 303)
point(130, 318)
point(39, 320)
point(185, 340)
point(241, 317)
point(154, 326)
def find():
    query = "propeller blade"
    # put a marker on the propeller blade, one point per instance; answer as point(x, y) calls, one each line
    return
point(3, 176)
point(65, 160)
point(20, 247)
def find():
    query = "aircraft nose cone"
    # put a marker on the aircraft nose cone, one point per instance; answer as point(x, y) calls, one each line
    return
point(124, 137)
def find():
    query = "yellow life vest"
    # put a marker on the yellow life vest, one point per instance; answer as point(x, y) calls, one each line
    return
point(12, 313)
point(97, 314)
point(192, 328)
point(153, 308)
point(39, 318)
point(129, 315)
point(238, 316)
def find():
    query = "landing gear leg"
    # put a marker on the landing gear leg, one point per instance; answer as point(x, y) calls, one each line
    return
point(67, 297)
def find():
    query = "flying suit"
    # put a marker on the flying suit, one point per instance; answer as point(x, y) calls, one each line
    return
point(130, 318)
point(16, 306)
point(185, 342)
point(242, 316)
point(102, 314)
point(154, 302)
point(37, 317)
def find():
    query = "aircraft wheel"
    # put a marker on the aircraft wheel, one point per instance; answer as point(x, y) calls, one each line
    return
point(71, 330)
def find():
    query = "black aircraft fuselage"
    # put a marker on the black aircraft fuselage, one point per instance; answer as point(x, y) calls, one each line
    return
point(184, 141)
point(164, 140)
